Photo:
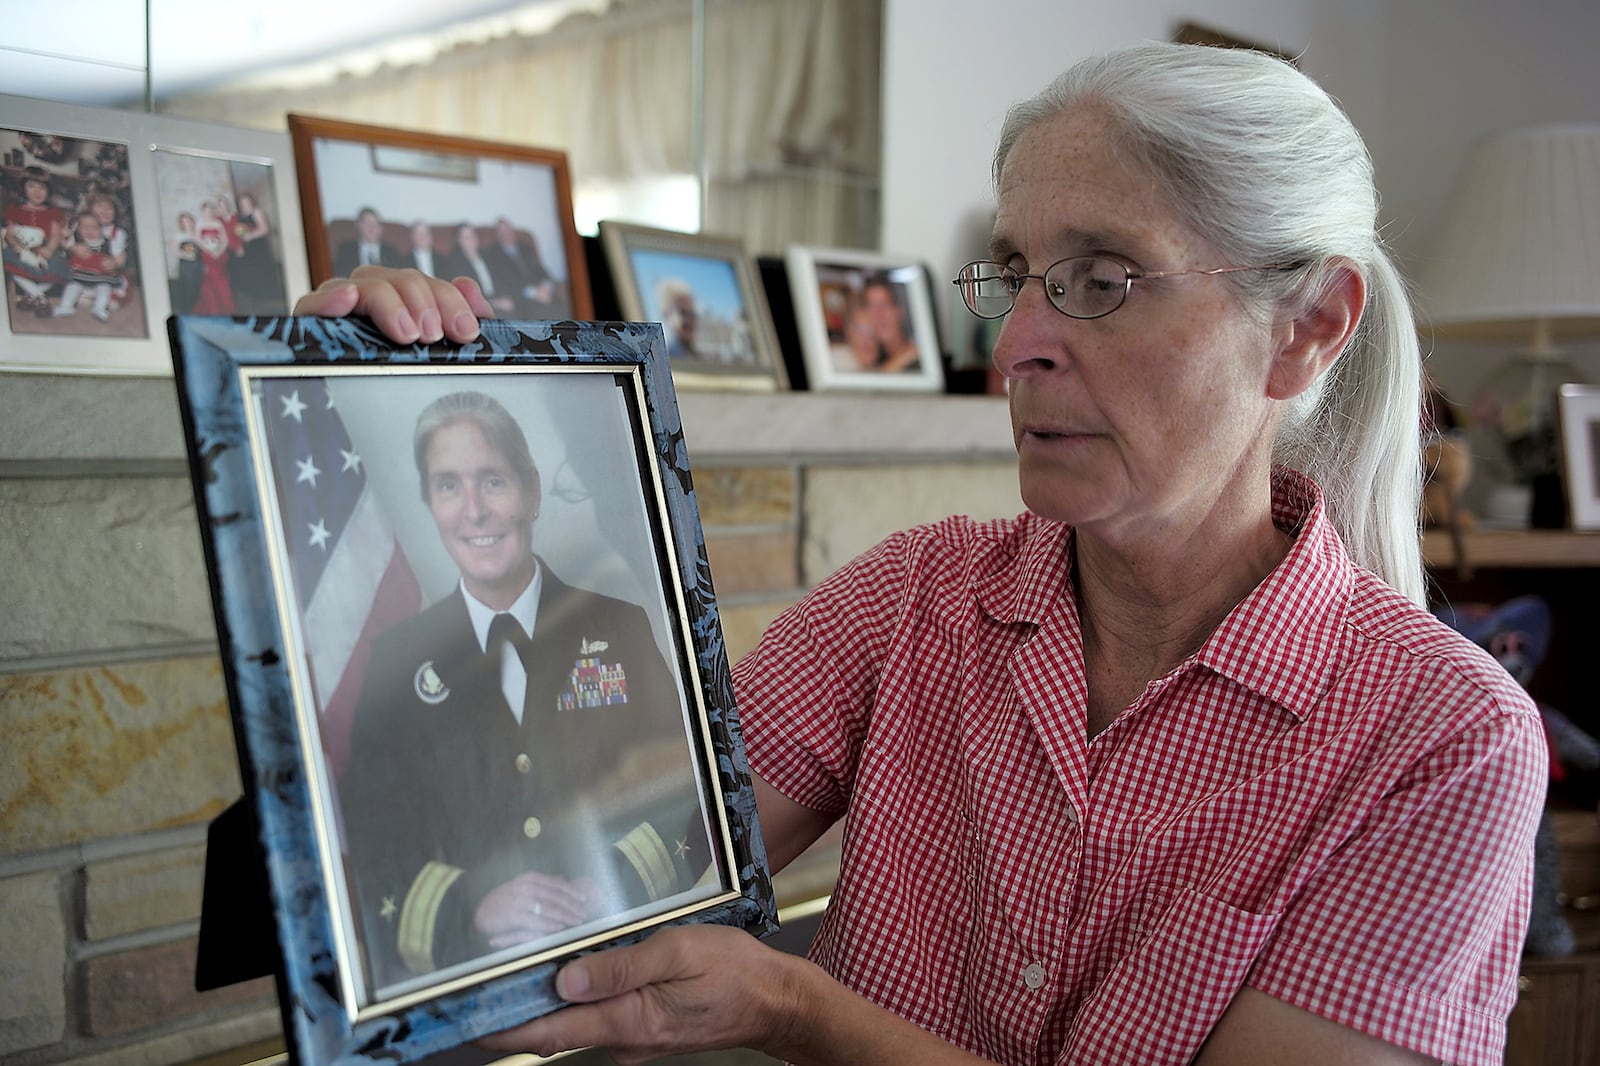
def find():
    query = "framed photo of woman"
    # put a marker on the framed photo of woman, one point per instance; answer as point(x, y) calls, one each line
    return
point(484, 726)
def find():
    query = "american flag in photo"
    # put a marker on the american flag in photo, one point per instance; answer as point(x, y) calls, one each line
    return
point(351, 577)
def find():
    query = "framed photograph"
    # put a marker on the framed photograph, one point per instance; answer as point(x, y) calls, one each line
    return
point(1579, 413)
point(224, 244)
point(479, 687)
point(448, 206)
point(865, 320)
point(92, 206)
point(705, 293)
point(1194, 33)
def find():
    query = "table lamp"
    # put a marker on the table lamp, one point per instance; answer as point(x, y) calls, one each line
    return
point(1519, 264)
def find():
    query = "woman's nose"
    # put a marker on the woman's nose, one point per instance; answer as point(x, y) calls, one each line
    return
point(1031, 335)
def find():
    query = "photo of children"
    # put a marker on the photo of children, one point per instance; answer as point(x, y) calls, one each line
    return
point(71, 262)
point(223, 245)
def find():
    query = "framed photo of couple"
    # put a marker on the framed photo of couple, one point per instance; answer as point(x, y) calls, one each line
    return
point(865, 320)
point(448, 206)
point(112, 220)
point(476, 671)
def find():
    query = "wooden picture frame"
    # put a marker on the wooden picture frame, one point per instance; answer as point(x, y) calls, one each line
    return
point(730, 341)
point(321, 552)
point(498, 212)
point(865, 320)
point(1194, 33)
point(140, 172)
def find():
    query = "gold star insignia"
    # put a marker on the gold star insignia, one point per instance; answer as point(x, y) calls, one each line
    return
point(388, 908)
point(682, 849)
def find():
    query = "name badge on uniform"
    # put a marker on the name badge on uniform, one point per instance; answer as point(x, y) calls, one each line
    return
point(591, 682)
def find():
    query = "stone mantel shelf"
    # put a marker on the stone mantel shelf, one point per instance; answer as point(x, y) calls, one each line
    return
point(845, 427)
point(80, 425)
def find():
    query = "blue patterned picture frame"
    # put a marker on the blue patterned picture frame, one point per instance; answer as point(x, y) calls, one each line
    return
point(607, 395)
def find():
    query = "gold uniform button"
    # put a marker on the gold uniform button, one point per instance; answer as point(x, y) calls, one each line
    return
point(532, 828)
point(524, 764)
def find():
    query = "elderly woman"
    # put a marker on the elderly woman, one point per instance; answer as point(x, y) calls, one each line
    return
point(1175, 766)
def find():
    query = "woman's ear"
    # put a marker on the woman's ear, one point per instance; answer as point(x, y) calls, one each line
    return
point(1307, 342)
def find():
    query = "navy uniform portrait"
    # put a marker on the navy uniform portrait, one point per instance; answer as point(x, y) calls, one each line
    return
point(519, 762)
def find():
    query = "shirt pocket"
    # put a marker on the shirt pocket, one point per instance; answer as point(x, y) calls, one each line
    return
point(1160, 1001)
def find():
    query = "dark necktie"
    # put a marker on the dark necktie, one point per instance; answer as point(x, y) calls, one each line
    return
point(504, 629)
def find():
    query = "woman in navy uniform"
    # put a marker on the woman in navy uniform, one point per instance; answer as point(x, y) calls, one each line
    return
point(519, 761)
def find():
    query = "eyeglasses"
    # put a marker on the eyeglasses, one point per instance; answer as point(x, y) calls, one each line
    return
point(1083, 286)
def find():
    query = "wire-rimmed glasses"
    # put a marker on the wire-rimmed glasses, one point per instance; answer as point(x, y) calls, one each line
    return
point(1080, 286)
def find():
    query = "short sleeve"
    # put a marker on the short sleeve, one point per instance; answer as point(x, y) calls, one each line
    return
point(1413, 932)
point(805, 693)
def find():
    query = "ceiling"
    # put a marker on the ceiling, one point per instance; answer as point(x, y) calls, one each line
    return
point(93, 51)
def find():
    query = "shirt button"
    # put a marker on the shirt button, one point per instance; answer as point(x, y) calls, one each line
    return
point(1033, 976)
point(1072, 816)
point(532, 828)
point(524, 764)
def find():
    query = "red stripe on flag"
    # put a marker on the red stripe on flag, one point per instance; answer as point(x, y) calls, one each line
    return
point(397, 598)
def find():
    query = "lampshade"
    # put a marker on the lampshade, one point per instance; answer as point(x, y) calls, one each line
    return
point(1519, 255)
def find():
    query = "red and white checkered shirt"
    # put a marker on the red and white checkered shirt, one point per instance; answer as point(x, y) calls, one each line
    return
point(1333, 801)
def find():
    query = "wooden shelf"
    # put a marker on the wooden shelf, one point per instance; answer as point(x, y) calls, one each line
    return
point(1515, 548)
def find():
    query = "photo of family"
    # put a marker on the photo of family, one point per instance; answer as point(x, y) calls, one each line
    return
point(504, 258)
point(70, 256)
point(501, 214)
point(223, 246)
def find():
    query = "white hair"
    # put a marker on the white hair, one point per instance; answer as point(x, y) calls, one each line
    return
point(1259, 160)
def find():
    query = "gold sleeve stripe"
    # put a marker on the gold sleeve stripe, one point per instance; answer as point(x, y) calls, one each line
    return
point(421, 912)
point(645, 850)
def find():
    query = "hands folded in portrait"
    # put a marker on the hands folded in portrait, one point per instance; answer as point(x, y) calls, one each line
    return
point(534, 905)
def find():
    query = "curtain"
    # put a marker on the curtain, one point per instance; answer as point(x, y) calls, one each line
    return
point(791, 106)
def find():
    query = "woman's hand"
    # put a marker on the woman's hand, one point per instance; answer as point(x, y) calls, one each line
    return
point(707, 987)
point(406, 305)
point(533, 905)
point(692, 988)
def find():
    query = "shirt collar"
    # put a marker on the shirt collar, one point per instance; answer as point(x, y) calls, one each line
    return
point(1281, 641)
point(1029, 576)
point(525, 609)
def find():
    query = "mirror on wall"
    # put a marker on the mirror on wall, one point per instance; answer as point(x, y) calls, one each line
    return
point(665, 119)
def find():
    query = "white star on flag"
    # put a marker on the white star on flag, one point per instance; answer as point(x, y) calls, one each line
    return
point(351, 579)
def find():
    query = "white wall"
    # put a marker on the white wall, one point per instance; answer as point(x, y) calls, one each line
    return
point(1462, 71)
point(1421, 79)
